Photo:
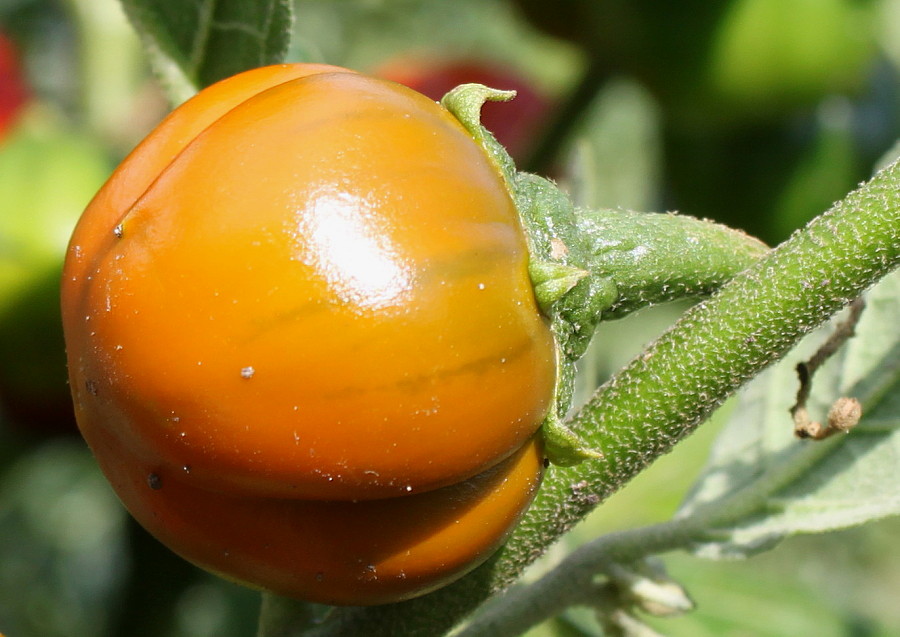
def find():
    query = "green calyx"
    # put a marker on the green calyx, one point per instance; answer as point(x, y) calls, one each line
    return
point(465, 102)
point(567, 292)
point(552, 281)
point(564, 447)
point(588, 265)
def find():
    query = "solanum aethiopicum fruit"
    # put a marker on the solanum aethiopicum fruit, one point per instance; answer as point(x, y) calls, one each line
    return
point(307, 283)
point(356, 553)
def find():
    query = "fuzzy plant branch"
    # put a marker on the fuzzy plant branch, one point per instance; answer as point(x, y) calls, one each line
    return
point(563, 587)
point(667, 391)
point(567, 584)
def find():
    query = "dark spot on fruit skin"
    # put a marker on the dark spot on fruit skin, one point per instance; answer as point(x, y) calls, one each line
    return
point(154, 481)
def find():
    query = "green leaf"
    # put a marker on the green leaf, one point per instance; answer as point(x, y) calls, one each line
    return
point(195, 43)
point(802, 486)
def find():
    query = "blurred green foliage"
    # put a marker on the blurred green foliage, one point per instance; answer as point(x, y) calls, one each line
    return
point(45, 173)
point(757, 113)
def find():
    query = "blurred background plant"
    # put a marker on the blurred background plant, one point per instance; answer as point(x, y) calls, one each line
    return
point(756, 113)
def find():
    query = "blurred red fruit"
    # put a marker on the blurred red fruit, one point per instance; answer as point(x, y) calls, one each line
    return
point(13, 91)
point(515, 124)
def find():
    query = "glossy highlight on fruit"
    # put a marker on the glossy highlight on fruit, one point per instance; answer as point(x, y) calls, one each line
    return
point(305, 295)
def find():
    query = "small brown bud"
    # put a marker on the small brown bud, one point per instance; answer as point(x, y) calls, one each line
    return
point(844, 414)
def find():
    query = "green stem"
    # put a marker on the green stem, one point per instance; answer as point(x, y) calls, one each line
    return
point(667, 391)
point(567, 584)
point(655, 258)
point(282, 617)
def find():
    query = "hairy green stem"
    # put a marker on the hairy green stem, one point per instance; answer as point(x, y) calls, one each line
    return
point(667, 391)
point(654, 258)
point(566, 584)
